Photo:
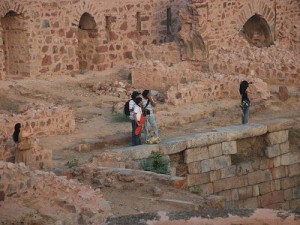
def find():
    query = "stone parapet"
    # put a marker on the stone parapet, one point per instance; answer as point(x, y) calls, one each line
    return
point(246, 164)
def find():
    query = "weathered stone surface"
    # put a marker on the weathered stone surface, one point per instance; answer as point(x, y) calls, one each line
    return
point(195, 154)
point(138, 152)
point(277, 137)
point(278, 124)
point(290, 158)
point(196, 179)
point(222, 161)
point(204, 139)
point(229, 148)
point(259, 176)
point(243, 131)
point(215, 150)
point(272, 151)
point(283, 93)
point(172, 146)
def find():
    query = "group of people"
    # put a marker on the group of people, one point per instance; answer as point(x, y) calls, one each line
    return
point(141, 105)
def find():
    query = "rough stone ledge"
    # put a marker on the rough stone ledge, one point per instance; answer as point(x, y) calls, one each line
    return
point(279, 124)
point(236, 132)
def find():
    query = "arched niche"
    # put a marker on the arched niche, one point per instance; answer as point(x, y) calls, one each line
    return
point(87, 22)
point(87, 42)
point(257, 32)
point(16, 44)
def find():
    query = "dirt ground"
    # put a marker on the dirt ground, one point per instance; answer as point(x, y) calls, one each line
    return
point(94, 119)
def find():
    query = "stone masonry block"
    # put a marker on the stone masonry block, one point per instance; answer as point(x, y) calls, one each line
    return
point(256, 190)
point(259, 176)
point(244, 168)
point(296, 192)
point(173, 146)
point(250, 203)
point(279, 124)
point(194, 167)
point(277, 161)
point(228, 171)
point(245, 192)
point(207, 165)
point(215, 150)
point(294, 204)
point(215, 175)
point(206, 189)
point(229, 148)
point(294, 169)
point(265, 187)
point(222, 161)
point(284, 147)
point(290, 158)
point(289, 182)
point(195, 154)
point(279, 172)
point(196, 179)
point(272, 151)
point(137, 152)
point(230, 183)
point(288, 194)
point(271, 198)
point(277, 137)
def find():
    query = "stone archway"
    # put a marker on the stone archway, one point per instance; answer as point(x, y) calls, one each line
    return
point(16, 45)
point(257, 32)
point(87, 42)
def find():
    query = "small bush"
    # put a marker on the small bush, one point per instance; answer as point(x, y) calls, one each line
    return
point(156, 163)
point(72, 163)
point(120, 117)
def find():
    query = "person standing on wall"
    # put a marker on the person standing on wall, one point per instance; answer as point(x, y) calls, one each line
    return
point(21, 137)
point(245, 101)
point(137, 114)
point(132, 103)
point(148, 104)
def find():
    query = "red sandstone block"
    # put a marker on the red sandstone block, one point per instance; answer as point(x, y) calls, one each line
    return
point(259, 176)
point(266, 164)
point(271, 198)
point(279, 172)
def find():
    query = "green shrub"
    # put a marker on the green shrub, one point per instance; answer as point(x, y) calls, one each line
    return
point(72, 163)
point(156, 163)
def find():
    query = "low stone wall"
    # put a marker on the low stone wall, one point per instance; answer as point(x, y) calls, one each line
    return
point(251, 165)
point(44, 121)
point(182, 85)
point(272, 65)
point(52, 195)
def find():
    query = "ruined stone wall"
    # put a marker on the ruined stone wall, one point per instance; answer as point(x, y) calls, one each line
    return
point(50, 192)
point(44, 121)
point(273, 65)
point(213, 31)
point(56, 45)
point(251, 166)
point(182, 86)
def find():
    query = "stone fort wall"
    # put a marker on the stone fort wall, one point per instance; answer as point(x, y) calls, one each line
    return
point(47, 37)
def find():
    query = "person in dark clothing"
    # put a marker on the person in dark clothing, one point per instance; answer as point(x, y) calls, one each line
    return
point(245, 101)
